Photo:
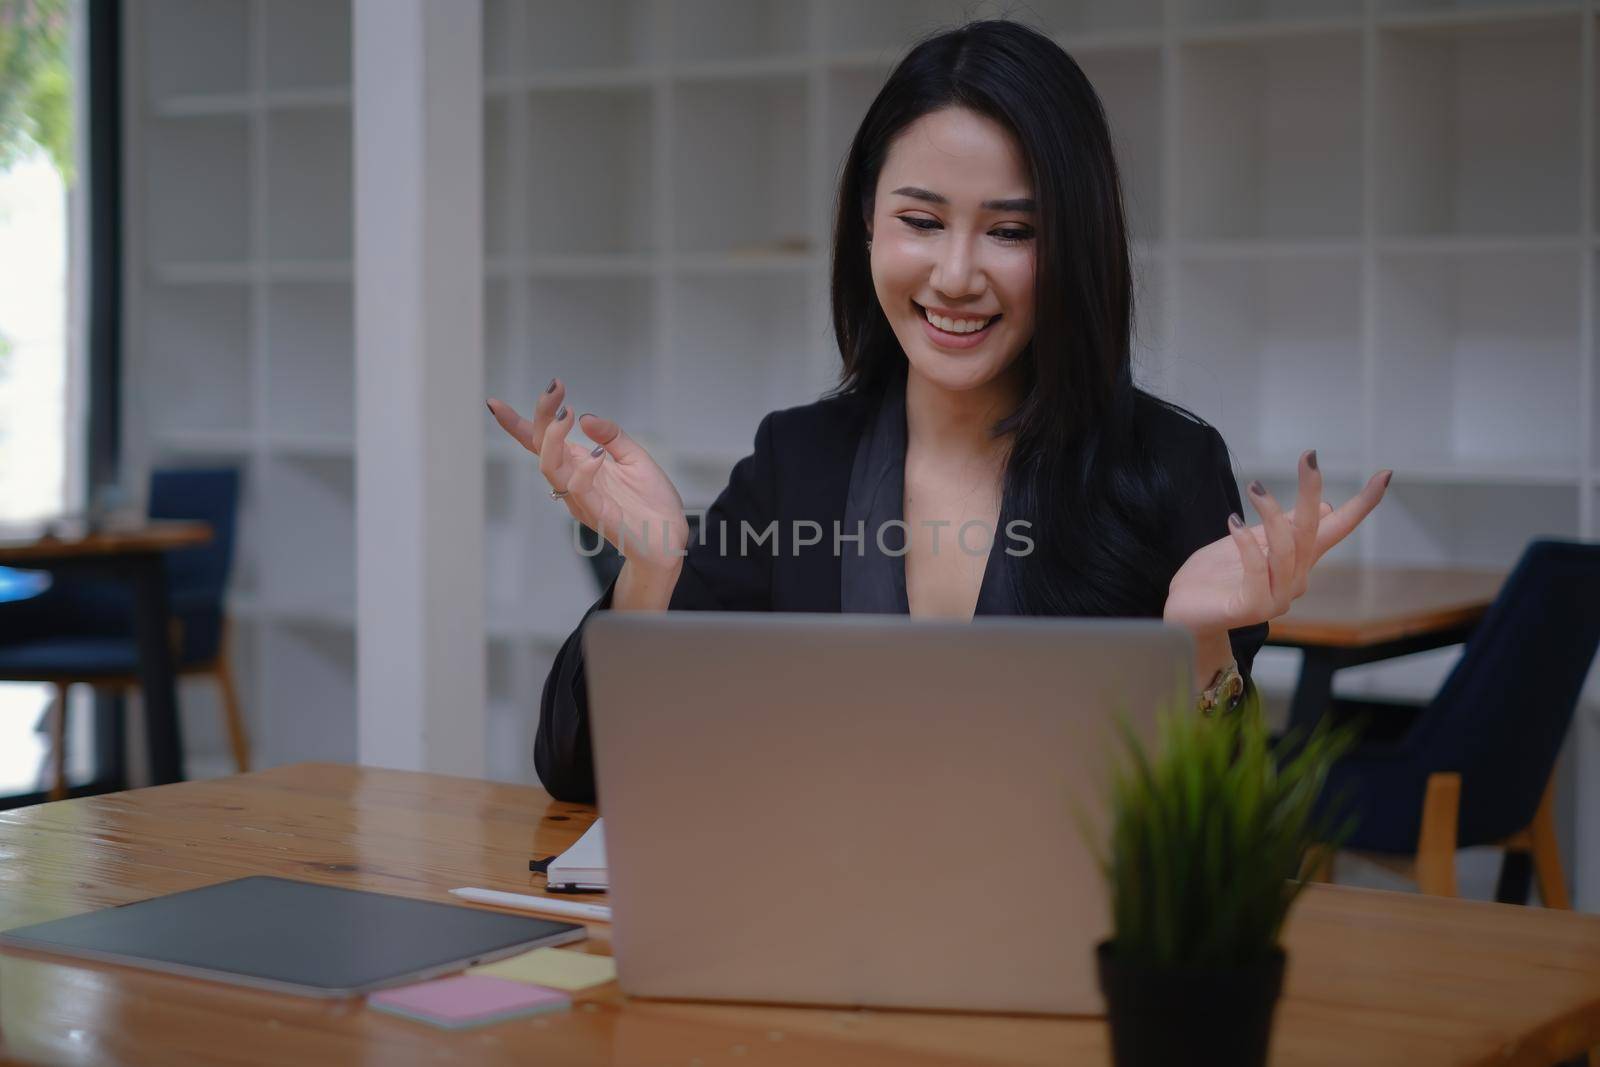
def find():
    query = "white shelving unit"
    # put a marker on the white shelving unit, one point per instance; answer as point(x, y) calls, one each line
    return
point(1366, 226)
point(238, 336)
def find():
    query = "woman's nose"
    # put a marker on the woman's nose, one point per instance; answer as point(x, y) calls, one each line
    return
point(954, 273)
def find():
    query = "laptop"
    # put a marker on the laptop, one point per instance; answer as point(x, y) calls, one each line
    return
point(861, 810)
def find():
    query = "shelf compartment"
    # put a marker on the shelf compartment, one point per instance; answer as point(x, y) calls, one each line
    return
point(309, 174)
point(502, 182)
point(195, 374)
point(1466, 12)
point(308, 536)
point(501, 357)
point(593, 34)
point(1129, 84)
point(195, 47)
point(1266, 13)
point(886, 28)
point(307, 44)
point(739, 166)
point(590, 169)
point(506, 541)
point(197, 189)
point(740, 348)
point(850, 91)
point(1478, 129)
point(309, 689)
point(596, 336)
point(1066, 19)
point(890, 25)
point(1270, 354)
point(1478, 356)
point(1271, 139)
point(311, 361)
point(513, 682)
point(1470, 525)
point(710, 30)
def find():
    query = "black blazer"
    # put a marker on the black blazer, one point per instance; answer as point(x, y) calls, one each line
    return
point(800, 469)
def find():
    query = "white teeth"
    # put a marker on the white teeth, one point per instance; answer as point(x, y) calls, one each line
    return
point(955, 325)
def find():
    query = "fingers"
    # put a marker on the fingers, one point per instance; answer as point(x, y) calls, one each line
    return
point(519, 428)
point(1338, 523)
point(609, 436)
point(1307, 502)
point(1280, 533)
point(583, 472)
point(556, 456)
point(1256, 587)
point(529, 433)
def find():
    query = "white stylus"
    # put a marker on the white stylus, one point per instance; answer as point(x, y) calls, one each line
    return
point(593, 912)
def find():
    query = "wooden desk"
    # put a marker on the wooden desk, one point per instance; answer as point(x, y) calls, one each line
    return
point(135, 554)
point(1374, 978)
point(1352, 615)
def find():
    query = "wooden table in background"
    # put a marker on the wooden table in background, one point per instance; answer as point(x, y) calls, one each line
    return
point(135, 554)
point(1374, 978)
point(1353, 615)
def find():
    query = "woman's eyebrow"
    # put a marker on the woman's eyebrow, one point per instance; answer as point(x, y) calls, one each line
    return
point(1021, 203)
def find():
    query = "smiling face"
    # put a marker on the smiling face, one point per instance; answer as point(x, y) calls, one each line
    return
point(953, 247)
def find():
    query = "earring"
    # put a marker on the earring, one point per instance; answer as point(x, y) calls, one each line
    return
point(869, 246)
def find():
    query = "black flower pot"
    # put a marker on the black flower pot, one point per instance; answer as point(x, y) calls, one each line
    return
point(1197, 1016)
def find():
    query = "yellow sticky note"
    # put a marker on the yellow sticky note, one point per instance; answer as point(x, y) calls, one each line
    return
point(553, 967)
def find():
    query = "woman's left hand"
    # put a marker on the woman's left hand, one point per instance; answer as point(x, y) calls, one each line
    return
point(1255, 573)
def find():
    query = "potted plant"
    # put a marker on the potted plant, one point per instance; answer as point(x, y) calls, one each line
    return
point(1212, 836)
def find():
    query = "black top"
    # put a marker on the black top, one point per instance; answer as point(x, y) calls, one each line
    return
point(825, 467)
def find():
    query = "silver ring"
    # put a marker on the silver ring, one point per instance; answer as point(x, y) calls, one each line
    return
point(557, 494)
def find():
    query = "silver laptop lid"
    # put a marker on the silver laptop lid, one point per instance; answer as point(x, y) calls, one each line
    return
point(864, 810)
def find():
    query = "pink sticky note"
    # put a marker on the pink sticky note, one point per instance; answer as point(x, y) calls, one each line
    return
point(468, 1000)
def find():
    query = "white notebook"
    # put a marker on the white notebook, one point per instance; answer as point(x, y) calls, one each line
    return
point(583, 866)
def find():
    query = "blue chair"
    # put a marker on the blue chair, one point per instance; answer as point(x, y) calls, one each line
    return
point(81, 628)
point(1474, 767)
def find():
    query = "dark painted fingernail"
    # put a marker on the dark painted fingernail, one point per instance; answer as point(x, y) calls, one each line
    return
point(1311, 459)
point(1387, 475)
point(1257, 488)
point(551, 387)
point(588, 413)
point(489, 406)
point(1234, 521)
point(597, 450)
point(562, 413)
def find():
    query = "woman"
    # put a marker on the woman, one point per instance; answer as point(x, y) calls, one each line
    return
point(982, 304)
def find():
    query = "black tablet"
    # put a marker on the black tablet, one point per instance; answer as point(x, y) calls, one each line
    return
point(294, 937)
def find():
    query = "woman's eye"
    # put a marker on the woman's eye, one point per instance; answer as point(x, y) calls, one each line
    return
point(1008, 235)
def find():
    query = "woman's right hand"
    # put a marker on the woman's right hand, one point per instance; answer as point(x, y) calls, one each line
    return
point(616, 489)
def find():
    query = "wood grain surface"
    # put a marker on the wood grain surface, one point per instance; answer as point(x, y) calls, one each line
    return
point(1355, 606)
point(1374, 978)
point(22, 545)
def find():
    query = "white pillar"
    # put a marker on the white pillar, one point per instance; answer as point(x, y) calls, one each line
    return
point(421, 672)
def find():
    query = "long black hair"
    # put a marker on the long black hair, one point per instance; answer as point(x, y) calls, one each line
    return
point(1077, 472)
